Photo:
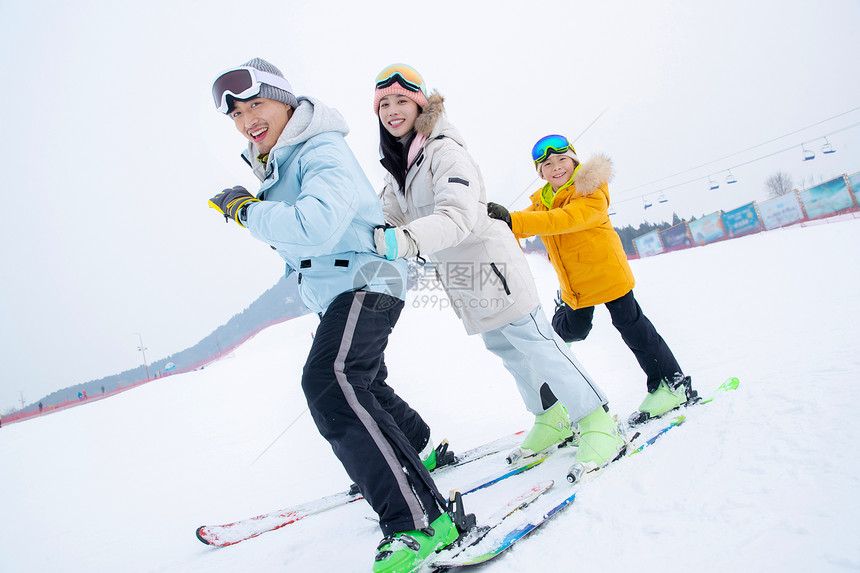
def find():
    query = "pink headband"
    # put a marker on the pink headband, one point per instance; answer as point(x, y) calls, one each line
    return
point(418, 97)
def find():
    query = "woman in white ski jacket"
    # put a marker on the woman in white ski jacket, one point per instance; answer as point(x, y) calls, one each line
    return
point(435, 207)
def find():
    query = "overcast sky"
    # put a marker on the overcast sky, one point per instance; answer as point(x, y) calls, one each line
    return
point(111, 145)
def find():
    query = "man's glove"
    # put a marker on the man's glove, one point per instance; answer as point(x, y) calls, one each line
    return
point(230, 203)
point(394, 243)
point(496, 211)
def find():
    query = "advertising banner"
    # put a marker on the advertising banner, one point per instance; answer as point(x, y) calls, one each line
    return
point(708, 229)
point(854, 180)
point(780, 211)
point(742, 220)
point(826, 198)
point(677, 237)
point(648, 244)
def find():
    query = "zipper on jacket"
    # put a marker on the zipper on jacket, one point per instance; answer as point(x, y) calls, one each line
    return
point(501, 277)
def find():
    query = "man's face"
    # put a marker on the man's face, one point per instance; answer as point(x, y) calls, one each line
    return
point(261, 121)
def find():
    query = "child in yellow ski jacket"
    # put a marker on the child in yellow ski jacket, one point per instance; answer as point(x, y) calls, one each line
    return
point(570, 213)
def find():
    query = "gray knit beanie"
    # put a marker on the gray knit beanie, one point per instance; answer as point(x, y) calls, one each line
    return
point(271, 92)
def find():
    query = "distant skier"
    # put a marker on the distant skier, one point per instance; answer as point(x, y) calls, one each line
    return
point(570, 213)
point(317, 209)
point(435, 201)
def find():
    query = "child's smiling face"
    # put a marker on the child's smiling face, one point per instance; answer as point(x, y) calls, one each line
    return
point(557, 170)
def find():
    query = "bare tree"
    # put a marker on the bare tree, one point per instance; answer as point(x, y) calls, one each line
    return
point(778, 184)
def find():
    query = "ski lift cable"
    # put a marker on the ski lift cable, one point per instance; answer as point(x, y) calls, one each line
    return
point(708, 177)
point(739, 152)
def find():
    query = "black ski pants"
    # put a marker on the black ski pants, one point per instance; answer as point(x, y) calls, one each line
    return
point(362, 418)
point(651, 351)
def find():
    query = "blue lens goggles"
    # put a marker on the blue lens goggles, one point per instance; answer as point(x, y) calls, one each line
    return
point(548, 145)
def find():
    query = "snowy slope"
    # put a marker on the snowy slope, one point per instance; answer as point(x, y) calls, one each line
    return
point(766, 480)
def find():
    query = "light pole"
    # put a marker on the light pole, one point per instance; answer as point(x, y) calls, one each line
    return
point(143, 351)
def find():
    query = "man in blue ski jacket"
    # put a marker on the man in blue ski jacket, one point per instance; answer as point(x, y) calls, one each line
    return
point(317, 209)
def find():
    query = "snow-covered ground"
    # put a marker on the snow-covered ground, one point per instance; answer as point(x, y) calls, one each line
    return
point(766, 479)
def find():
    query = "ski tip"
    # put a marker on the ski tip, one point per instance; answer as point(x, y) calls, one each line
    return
point(199, 534)
point(729, 384)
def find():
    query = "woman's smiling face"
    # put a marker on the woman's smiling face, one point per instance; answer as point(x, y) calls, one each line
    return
point(398, 114)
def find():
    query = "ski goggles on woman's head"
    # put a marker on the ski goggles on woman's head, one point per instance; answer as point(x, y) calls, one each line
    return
point(549, 145)
point(402, 74)
point(243, 83)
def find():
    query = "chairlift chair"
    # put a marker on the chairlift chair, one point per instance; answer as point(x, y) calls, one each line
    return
point(662, 198)
point(713, 184)
point(731, 178)
point(807, 153)
point(611, 211)
point(827, 148)
point(647, 203)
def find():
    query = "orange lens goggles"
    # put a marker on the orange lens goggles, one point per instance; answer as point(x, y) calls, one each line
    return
point(402, 74)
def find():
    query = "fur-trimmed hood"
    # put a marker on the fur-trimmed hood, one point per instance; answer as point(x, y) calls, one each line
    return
point(593, 173)
point(428, 120)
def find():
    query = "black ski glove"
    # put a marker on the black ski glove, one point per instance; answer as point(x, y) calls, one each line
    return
point(230, 203)
point(496, 211)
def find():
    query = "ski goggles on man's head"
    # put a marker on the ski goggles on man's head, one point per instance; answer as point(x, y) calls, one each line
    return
point(549, 145)
point(402, 74)
point(243, 83)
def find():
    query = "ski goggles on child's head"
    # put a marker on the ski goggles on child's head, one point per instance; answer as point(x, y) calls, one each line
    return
point(549, 145)
point(402, 74)
point(243, 83)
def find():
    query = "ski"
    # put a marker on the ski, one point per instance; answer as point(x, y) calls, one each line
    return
point(499, 539)
point(729, 384)
point(577, 471)
point(496, 478)
point(478, 532)
point(677, 421)
point(244, 529)
point(231, 533)
point(465, 558)
point(237, 531)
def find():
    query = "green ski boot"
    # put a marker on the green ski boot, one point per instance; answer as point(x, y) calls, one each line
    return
point(405, 552)
point(437, 457)
point(428, 456)
point(550, 428)
point(664, 399)
point(600, 442)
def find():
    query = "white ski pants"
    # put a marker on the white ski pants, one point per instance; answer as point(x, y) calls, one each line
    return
point(534, 354)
